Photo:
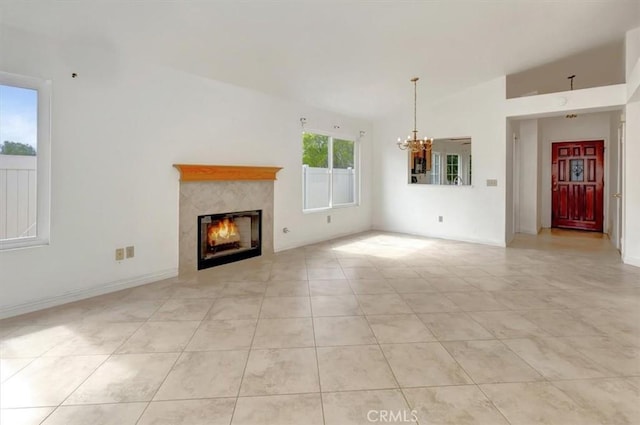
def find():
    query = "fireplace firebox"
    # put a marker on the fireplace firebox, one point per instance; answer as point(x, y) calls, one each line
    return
point(225, 238)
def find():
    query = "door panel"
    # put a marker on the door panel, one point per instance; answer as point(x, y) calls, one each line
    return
point(578, 185)
point(563, 210)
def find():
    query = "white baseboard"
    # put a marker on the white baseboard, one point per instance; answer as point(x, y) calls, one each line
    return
point(632, 261)
point(445, 237)
point(311, 241)
point(81, 294)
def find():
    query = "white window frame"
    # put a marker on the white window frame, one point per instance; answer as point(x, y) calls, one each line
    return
point(43, 160)
point(438, 175)
point(356, 162)
point(446, 173)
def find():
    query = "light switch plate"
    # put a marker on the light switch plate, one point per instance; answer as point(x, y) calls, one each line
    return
point(492, 182)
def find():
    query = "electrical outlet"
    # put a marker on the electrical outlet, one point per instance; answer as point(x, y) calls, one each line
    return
point(440, 219)
point(130, 251)
point(328, 219)
point(119, 254)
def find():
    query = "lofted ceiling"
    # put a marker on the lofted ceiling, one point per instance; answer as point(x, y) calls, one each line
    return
point(352, 57)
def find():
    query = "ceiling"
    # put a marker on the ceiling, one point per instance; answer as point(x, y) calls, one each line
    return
point(349, 56)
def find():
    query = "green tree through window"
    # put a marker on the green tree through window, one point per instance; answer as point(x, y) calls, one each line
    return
point(16, 148)
point(343, 153)
point(315, 150)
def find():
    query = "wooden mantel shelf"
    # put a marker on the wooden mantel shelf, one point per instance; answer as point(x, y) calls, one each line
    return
point(197, 172)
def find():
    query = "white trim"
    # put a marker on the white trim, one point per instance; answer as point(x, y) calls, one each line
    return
point(342, 135)
point(481, 241)
point(300, 244)
point(632, 261)
point(43, 158)
point(622, 179)
point(357, 167)
point(21, 243)
point(81, 294)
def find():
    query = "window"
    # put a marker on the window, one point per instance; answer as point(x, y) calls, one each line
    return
point(436, 169)
point(24, 161)
point(453, 163)
point(329, 172)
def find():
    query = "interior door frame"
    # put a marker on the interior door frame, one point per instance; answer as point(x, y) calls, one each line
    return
point(546, 185)
point(605, 180)
point(621, 183)
point(516, 181)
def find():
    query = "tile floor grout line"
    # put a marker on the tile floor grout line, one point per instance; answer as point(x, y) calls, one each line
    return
point(315, 349)
point(544, 378)
point(606, 306)
point(31, 360)
point(83, 381)
point(168, 371)
point(339, 391)
point(494, 404)
point(104, 361)
point(384, 356)
point(158, 389)
point(476, 384)
point(115, 352)
point(246, 363)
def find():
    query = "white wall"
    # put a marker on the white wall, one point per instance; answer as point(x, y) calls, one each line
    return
point(600, 66)
point(512, 189)
point(613, 216)
point(632, 51)
point(529, 177)
point(471, 213)
point(597, 99)
point(631, 194)
point(631, 148)
point(116, 131)
point(559, 129)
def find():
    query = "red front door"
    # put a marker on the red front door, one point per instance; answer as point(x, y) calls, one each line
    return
point(577, 185)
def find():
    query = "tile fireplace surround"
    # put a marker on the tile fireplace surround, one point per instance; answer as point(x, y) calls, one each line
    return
point(216, 189)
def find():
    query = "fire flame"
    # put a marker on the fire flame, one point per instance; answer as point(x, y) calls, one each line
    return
point(223, 231)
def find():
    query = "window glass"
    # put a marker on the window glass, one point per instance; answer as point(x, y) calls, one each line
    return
point(315, 152)
point(343, 172)
point(453, 176)
point(18, 162)
point(436, 169)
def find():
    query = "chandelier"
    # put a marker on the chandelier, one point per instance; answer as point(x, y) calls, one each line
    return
point(412, 143)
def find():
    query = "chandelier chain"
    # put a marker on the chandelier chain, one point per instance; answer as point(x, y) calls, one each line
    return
point(412, 143)
point(415, 107)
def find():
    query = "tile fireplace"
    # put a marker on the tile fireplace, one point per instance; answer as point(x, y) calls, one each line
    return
point(213, 196)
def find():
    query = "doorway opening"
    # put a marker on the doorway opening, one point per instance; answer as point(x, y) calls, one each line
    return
point(577, 185)
point(558, 182)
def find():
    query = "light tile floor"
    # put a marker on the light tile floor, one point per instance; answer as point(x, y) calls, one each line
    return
point(373, 328)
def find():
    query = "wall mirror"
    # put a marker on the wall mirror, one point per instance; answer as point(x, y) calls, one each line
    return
point(450, 163)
